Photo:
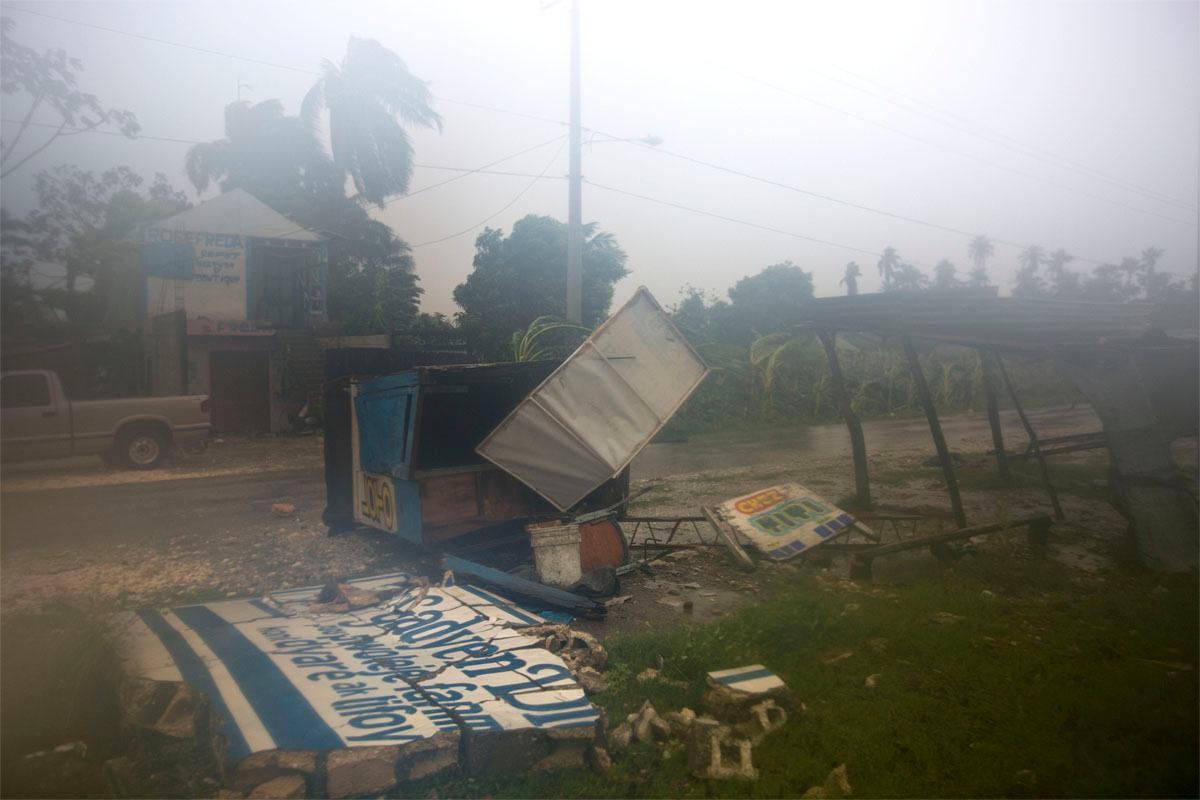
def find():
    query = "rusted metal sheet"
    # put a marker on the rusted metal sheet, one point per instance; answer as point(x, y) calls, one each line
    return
point(593, 414)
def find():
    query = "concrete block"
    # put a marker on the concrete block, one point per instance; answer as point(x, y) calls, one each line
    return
point(358, 771)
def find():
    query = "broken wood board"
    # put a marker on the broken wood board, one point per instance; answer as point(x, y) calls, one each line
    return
point(786, 520)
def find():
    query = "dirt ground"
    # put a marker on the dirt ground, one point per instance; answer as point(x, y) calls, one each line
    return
point(80, 541)
point(76, 531)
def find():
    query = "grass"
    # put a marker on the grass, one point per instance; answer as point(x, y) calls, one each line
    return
point(1093, 690)
point(58, 683)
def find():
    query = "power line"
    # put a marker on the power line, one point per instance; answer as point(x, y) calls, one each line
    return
point(1014, 144)
point(464, 173)
point(735, 220)
point(503, 208)
point(509, 112)
point(828, 198)
point(261, 62)
point(465, 170)
point(157, 40)
point(485, 170)
point(937, 146)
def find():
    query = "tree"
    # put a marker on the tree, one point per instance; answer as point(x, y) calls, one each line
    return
point(889, 262)
point(50, 79)
point(945, 275)
point(1131, 267)
point(1028, 282)
point(370, 97)
point(850, 279)
point(1061, 282)
point(523, 276)
point(771, 300)
point(979, 279)
point(980, 249)
point(1157, 286)
point(270, 155)
point(82, 223)
point(907, 277)
point(280, 160)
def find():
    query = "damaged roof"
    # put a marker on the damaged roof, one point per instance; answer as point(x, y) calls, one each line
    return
point(980, 319)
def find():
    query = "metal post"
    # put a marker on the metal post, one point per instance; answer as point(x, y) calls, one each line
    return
point(993, 412)
point(575, 187)
point(1033, 441)
point(858, 445)
point(935, 428)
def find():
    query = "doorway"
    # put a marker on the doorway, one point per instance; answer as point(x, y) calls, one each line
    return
point(240, 384)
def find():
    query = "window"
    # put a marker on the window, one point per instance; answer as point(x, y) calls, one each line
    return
point(24, 391)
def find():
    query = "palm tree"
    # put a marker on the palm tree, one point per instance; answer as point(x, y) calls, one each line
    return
point(1028, 281)
point(889, 262)
point(267, 153)
point(1131, 267)
point(908, 278)
point(1056, 267)
point(850, 278)
point(945, 275)
point(980, 249)
point(370, 98)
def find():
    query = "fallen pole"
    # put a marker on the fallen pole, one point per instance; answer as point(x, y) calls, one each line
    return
point(511, 584)
point(1038, 524)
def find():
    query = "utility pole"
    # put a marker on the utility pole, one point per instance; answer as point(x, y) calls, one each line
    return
point(575, 187)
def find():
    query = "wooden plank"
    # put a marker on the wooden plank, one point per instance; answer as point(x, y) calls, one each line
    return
point(1033, 441)
point(858, 444)
point(935, 428)
point(511, 584)
point(729, 539)
point(504, 497)
point(993, 412)
point(451, 498)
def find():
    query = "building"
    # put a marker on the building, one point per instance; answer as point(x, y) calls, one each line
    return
point(233, 293)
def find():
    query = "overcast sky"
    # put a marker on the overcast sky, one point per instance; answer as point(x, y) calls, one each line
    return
point(963, 116)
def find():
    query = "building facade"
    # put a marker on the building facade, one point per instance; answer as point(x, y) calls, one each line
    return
point(247, 288)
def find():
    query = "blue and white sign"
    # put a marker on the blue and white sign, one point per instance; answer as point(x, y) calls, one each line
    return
point(427, 660)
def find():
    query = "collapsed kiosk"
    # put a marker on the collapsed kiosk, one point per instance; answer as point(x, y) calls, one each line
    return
point(1136, 364)
point(464, 459)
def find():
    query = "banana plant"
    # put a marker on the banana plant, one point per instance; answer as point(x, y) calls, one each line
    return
point(547, 337)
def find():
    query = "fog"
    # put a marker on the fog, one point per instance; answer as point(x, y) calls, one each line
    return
point(766, 89)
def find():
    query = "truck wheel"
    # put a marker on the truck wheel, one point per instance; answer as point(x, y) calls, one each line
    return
point(141, 448)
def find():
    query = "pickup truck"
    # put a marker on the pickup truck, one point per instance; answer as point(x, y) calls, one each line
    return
point(38, 421)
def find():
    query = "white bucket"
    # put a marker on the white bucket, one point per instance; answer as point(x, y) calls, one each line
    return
point(555, 553)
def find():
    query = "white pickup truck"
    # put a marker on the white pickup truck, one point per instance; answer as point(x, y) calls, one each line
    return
point(38, 421)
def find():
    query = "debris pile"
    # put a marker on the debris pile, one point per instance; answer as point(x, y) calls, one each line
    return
point(741, 707)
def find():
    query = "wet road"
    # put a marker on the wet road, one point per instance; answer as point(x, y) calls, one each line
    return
point(82, 506)
point(911, 435)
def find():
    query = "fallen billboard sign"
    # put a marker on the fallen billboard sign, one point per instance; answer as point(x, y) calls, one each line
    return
point(430, 659)
point(589, 418)
point(783, 521)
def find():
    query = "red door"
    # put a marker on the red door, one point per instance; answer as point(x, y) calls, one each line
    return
point(240, 387)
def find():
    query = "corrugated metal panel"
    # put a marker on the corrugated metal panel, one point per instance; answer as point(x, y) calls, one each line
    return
point(593, 414)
